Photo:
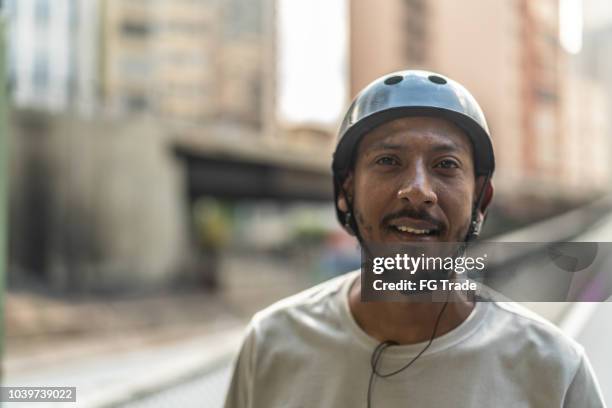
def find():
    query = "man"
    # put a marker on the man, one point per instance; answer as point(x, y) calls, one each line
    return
point(413, 164)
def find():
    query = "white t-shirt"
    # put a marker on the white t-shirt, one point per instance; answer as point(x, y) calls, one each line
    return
point(307, 351)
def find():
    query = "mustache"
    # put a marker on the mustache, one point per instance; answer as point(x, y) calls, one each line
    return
point(418, 215)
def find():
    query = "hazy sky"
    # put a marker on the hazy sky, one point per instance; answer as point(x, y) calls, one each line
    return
point(597, 12)
point(570, 24)
point(312, 65)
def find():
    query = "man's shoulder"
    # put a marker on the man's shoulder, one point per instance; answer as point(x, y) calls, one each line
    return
point(536, 334)
point(316, 299)
point(528, 318)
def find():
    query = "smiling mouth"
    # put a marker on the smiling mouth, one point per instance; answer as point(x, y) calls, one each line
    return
point(415, 232)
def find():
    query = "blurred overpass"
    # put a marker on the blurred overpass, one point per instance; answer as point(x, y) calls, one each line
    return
point(238, 164)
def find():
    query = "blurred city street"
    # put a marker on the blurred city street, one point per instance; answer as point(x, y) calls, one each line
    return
point(169, 168)
point(119, 351)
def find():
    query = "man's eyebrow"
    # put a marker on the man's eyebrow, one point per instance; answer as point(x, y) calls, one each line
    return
point(446, 147)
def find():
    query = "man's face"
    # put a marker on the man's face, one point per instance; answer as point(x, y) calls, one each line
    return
point(413, 181)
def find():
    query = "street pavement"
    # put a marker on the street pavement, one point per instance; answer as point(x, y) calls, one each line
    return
point(158, 351)
point(121, 377)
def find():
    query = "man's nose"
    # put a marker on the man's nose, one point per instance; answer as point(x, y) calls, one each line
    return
point(417, 187)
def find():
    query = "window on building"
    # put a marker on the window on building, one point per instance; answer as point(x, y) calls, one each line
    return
point(545, 94)
point(40, 73)
point(11, 69)
point(11, 8)
point(136, 102)
point(417, 6)
point(73, 10)
point(242, 17)
point(41, 12)
point(136, 67)
point(135, 29)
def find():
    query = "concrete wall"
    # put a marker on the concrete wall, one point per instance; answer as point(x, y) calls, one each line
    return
point(95, 204)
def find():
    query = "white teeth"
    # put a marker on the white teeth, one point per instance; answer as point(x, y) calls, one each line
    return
point(412, 230)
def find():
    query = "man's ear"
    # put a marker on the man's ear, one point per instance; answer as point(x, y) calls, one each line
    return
point(347, 188)
point(487, 196)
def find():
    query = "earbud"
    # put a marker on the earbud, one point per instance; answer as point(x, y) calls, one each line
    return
point(348, 222)
point(476, 227)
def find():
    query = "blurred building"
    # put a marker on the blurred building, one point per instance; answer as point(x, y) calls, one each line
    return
point(245, 60)
point(159, 57)
point(53, 54)
point(193, 61)
point(586, 130)
point(508, 54)
point(186, 60)
point(596, 60)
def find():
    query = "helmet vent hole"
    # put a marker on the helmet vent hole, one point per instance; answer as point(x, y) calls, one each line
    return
point(437, 79)
point(393, 80)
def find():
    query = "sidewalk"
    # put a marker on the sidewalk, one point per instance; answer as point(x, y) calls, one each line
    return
point(122, 350)
point(114, 351)
point(120, 377)
point(41, 330)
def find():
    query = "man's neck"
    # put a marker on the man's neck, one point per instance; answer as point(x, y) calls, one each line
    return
point(406, 322)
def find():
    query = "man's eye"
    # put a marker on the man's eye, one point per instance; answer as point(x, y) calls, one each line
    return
point(387, 161)
point(448, 164)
